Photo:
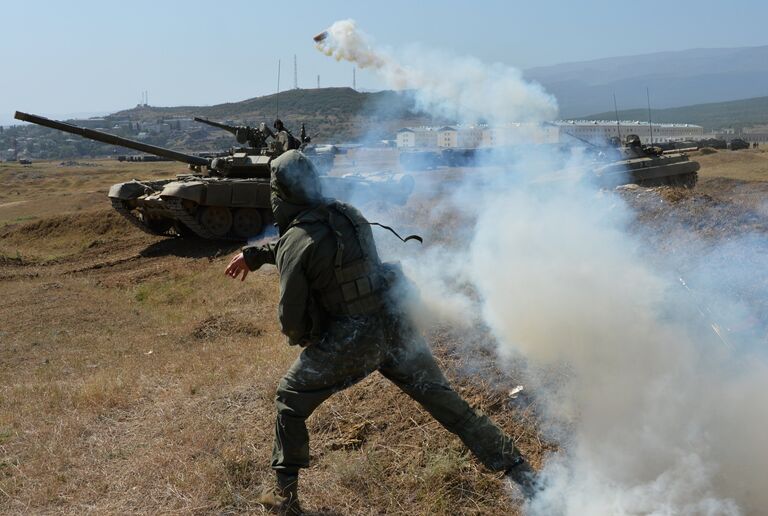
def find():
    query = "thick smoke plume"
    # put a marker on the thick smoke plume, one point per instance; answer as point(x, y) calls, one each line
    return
point(654, 414)
point(459, 88)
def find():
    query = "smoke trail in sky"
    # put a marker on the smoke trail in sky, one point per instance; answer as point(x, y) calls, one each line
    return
point(463, 88)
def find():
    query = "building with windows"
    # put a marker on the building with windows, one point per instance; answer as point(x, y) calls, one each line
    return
point(561, 131)
point(758, 135)
point(517, 133)
point(598, 131)
point(417, 137)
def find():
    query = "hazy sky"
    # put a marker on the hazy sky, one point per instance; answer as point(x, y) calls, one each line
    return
point(81, 56)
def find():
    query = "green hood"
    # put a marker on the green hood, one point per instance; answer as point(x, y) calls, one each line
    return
point(295, 187)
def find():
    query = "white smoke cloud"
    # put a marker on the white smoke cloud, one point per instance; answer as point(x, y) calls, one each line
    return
point(648, 395)
point(662, 417)
point(463, 88)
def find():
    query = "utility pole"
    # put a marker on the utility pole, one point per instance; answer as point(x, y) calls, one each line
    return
point(650, 124)
point(277, 96)
point(295, 74)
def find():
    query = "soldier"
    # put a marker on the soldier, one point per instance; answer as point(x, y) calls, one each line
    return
point(284, 137)
point(344, 307)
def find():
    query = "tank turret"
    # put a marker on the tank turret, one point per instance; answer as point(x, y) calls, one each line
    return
point(255, 137)
point(237, 163)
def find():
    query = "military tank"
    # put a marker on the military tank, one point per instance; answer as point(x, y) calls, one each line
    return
point(644, 165)
point(738, 144)
point(256, 139)
point(224, 197)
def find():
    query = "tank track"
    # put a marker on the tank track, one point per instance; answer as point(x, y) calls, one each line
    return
point(121, 208)
point(190, 221)
point(685, 180)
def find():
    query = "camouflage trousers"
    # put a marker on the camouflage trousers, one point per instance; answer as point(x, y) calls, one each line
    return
point(352, 349)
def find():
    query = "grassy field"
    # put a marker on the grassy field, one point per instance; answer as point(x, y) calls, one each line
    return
point(136, 378)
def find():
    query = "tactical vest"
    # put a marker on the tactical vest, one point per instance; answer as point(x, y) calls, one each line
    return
point(358, 285)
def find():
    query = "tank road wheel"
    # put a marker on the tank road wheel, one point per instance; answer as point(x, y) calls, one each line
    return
point(247, 222)
point(216, 219)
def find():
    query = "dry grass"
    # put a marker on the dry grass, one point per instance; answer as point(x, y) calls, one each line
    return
point(742, 165)
point(135, 378)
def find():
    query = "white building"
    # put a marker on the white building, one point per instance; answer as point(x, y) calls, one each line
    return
point(447, 137)
point(417, 137)
point(517, 134)
point(598, 131)
point(561, 131)
point(758, 134)
point(472, 136)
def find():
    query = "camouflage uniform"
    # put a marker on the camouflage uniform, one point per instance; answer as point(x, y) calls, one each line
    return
point(338, 300)
point(283, 137)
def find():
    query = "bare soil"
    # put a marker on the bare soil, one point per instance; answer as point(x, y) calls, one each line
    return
point(136, 378)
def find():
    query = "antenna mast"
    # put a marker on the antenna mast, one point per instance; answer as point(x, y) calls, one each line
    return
point(277, 97)
point(318, 81)
point(650, 125)
point(354, 78)
point(616, 110)
point(295, 74)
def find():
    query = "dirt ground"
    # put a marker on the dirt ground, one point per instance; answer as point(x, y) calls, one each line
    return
point(136, 378)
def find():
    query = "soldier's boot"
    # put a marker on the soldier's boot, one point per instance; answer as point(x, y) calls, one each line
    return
point(523, 475)
point(284, 499)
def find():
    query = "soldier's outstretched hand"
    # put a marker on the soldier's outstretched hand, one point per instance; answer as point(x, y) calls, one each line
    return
point(237, 266)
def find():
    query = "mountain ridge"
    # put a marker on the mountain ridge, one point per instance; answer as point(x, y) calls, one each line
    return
point(673, 78)
point(712, 116)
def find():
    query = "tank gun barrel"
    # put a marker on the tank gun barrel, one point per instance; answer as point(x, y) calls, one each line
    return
point(111, 139)
point(232, 129)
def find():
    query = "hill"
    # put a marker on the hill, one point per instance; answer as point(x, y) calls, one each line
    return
point(713, 116)
point(679, 78)
point(336, 114)
point(331, 115)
